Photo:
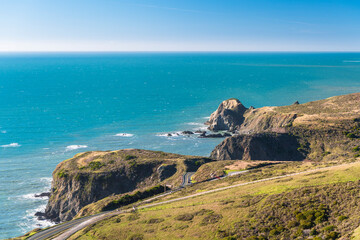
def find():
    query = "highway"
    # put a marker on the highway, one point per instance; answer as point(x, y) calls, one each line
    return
point(71, 227)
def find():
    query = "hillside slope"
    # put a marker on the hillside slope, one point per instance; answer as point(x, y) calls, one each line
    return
point(328, 129)
point(91, 176)
point(318, 205)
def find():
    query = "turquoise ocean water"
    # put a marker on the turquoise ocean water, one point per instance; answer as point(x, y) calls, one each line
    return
point(53, 106)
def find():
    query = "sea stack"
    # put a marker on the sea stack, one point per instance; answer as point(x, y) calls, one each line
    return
point(228, 116)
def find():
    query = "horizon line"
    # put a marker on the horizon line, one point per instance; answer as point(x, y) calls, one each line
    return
point(190, 51)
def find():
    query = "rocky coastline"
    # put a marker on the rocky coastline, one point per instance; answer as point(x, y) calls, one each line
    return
point(323, 130)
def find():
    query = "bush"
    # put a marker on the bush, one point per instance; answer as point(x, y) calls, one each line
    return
point(62, 173)
point(329, 228)
point(356, 149)
point(96, 165)
point(128, 199)
point(351, 135)
point(129, 157)
point(342, 218)
point(185, 217)
point(332, 236)
point(211, 219)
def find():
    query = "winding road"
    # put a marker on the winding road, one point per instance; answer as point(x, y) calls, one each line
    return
point(71, 227)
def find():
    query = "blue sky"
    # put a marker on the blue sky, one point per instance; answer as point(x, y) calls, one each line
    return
point(181, 25)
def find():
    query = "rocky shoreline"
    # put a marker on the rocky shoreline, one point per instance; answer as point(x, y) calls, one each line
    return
point(318, 131)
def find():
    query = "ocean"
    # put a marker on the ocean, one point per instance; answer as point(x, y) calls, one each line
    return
point(54, 105)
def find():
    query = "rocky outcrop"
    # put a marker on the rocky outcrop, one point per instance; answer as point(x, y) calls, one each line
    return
point(265, 146)
point(266, 119)
point(228, 116)
point(92, 176)
point(325, 129)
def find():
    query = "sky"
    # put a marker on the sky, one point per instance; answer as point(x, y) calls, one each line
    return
point(179, 25)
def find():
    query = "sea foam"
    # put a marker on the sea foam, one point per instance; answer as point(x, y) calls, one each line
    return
point(124, 135)
point(74, 147)
point(11, 145)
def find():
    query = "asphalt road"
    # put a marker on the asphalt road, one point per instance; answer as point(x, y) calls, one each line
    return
point(73, 226)
point(59, 228)
point(187, 178)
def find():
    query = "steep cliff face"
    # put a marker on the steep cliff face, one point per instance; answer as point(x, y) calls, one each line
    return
point(228, 116)
point(327, 129)
point(265, 146)
point(91, 176)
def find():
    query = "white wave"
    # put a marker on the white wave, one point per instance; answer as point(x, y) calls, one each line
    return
point(173, 134)
point(124, 135)
point(206, 117)
point(30, 221)
point(74, 147)
point(195, 124)
point(352, 61)
point(11, 145)
point(3, 131)
point(29, 196)
point(46, 179)
point(198, 126)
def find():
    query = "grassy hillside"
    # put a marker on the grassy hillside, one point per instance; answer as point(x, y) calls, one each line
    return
point(93, 176)
point(317, 205)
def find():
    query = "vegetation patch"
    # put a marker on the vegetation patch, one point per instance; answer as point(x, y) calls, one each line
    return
point(131, 198)
point(62, 173)
point(95, 165)
point(211, 219)
point(130, 157)
point(154, 220)
point(136, 236)
point(185, 217)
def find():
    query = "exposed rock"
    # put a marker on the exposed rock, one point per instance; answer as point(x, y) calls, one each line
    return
point(228, 116)
point(266, 146)
point(214, 135)
point(40, 215)
point(296, 103)
point(166, 171)
point(187, 132)
point(45, 194)
point(322, 127)
point(200, 131)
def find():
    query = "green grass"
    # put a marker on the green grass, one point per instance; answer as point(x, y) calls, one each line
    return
point(246, 205)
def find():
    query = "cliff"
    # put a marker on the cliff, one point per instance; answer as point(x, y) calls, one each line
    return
point(327, 129)
point(228, 116)
point(91, 176)
point(262, 146)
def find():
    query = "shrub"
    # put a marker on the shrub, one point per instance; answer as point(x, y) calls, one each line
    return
point(96, 165)
point(129, 157)
point(351, 135)
point(211, 219)
point(185, 217)
point(313, 232)
point(154, 220)
point(356, 149)
point(342, 218)
point(128, 199)
point(332, 236)
point(62, 173)
point(325, 153)
point(329, 228)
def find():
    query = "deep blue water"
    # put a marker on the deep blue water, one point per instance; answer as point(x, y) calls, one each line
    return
point(49, 102)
